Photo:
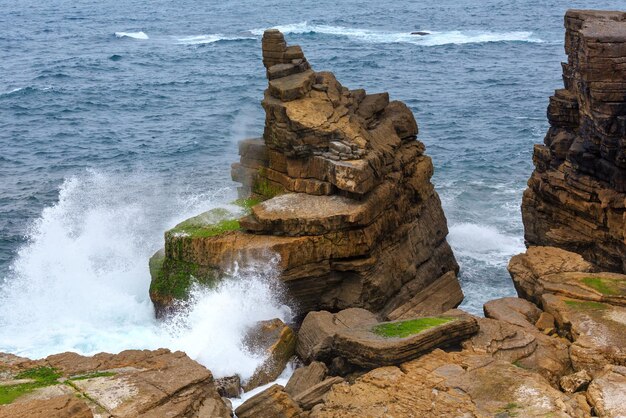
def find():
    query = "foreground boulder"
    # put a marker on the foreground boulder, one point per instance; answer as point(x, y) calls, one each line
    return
point(273, 402)
point(575, 196)
point(274, 341)
point(337, 191)
point(363, 343)
point(133, 383)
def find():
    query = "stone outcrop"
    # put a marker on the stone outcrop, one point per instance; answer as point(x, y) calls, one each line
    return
point(588, 307)
point(133, 383)
point(354, 339)
point(576, 196)
point(338, 190)
point(606, 392)
point(443, 384)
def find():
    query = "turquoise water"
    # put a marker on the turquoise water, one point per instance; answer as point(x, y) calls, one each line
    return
point(119, 119)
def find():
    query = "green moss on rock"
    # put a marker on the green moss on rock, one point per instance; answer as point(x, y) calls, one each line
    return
point(247, 203)
point(410, 327)
point(584, 305)
point(40, 377)
point(602, 285)
point(93, 375)
point(172, 279)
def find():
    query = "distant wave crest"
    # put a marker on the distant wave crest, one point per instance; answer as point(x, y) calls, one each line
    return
point(209, 39)
point(133, 35)
point(432, 39)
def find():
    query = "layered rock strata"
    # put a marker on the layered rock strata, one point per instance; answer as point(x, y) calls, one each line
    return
point(131, 384)
point(347, 205)
point(576, 196)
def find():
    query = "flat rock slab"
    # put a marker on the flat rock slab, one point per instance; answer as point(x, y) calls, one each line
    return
point(273, 402)
point(293, 86)
point(442, 384)
point(301, 213)
point(132, 383)
point(607, 392)
point(596, 328)
point(392, 343)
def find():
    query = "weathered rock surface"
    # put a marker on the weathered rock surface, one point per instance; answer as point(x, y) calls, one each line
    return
point(273, 402)
point(306, 377)
point(276, 342)
point(576, 195)
point(588, 307)
point(575, 382)
point(443, 384)
point(607, 392)
point(315, 394)
point(364, 343)
point(133, 383)
point(347, 203)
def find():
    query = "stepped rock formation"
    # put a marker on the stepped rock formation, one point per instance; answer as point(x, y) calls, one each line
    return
point(133, 383)
point(576, 197)
point(346, 203)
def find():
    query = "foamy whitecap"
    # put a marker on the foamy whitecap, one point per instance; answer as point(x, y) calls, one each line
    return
point(133, 35)
point(433, 38)
point(209, 39)
point(484, 243)
point(81, 282)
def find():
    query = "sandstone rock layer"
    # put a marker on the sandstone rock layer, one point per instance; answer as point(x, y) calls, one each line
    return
point(577, 194)
point(338, 191)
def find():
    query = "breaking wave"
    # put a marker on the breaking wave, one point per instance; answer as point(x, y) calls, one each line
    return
point(81, 281)
point(133, 35)
point(433, 38)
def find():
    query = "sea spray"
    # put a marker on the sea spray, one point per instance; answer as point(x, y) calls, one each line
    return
point(81, 281)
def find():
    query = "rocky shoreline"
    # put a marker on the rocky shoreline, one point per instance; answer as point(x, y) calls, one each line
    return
point(338, 191)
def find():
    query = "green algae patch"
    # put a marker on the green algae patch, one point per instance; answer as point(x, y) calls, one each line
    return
point(194, 230)
point(584, 305)
point(40, 377)
point(172, 279)
point(93, 375)
point(602, 285)
point(509, 410)
point(247, 203)
point(410, 327)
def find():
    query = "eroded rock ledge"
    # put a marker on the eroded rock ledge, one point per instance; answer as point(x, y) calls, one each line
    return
point(339, 188)
point(576, 196)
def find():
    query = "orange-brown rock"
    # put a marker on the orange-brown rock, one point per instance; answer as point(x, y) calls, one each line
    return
point(133, 383)
point(577, 194)
point(276, 342)
point(273, 402)
point(347, 209)
point(443, 384)
point(588, 307)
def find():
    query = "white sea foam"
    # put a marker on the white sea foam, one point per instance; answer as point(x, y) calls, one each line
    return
point(484, 243)
point(133, 35)
point(433, 38)
point(208, 39)
point(81, 282)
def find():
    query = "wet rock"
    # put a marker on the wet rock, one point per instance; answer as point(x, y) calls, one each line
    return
point(275, 341)
point(305, 377)
point(575, 382)
point(229, 387)
point(606, 392)
point(273, 402)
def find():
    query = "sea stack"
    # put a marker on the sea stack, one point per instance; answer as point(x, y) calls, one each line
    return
point(338, 189)
point(576, 197)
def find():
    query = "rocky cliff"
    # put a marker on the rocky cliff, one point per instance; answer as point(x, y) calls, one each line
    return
point(339, 189)
point(577, 194)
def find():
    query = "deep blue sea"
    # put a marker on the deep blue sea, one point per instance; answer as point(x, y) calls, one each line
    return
point(118, 119)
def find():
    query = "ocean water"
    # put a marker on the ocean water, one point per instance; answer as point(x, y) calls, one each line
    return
point(120, 119)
